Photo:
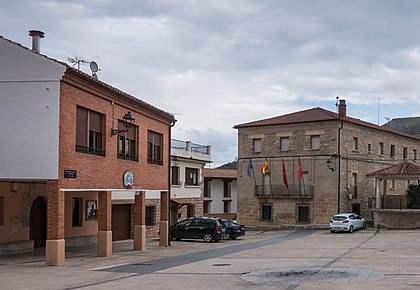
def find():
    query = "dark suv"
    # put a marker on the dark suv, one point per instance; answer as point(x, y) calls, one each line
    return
point(208, 229)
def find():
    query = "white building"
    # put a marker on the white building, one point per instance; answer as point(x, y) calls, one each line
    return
point(188, 161)
point(220, 193)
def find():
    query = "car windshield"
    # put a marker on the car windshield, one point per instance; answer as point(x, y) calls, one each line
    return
point(339, 218)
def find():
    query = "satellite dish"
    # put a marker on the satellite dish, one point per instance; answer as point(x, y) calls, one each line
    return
point(95, 76)
point(94, 67)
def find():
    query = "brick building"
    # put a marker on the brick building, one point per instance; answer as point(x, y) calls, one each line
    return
point(75, 148)
point(335, 153)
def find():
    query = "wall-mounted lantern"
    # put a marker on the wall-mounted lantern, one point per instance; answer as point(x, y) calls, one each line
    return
point(175, 160)
point(128, 121)
point(330, 164)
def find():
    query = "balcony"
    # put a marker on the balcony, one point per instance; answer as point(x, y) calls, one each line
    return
point(186, 149)
point(280, 191)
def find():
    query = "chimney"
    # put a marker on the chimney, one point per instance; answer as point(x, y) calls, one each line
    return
point(36, 39)
point(342, 109)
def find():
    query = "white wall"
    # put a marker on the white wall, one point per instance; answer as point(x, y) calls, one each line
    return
point(187, 191)
point(216, 188)
point(29, 113)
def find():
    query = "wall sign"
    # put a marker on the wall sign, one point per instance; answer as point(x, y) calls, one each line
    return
point(70, 173)
point(128, 179)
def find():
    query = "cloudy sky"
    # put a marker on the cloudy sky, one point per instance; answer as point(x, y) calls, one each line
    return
point(218, 63)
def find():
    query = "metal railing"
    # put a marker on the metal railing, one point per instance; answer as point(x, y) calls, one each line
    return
point(188, 146)
point(279, 190)
point(400, 202)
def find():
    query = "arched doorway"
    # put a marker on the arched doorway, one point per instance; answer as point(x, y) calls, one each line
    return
point(38, 222)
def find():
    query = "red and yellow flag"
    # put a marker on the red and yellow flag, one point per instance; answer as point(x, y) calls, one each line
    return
point(264, 168)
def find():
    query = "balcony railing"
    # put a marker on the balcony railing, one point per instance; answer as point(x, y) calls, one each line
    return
point(400, 202)
point(279, 190)
point(188, 146)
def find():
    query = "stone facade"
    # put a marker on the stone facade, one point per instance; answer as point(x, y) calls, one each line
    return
point(352, 146)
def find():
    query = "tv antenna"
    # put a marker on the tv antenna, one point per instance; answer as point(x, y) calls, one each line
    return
point(77, 60)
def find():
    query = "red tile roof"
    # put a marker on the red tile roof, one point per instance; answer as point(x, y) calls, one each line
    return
point(219, 173)
point(405, 169)
point(317, 115)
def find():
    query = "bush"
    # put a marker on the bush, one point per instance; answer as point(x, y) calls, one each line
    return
point(413, 190)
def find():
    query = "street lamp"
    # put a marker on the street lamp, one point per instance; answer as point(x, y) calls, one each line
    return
point(330, 164)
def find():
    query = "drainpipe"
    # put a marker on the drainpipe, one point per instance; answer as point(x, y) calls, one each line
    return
point(339, 166)
point(341, 115)
point(169, 182)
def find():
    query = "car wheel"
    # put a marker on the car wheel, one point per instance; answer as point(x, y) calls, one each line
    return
point(227, 235)
point(351, 229)
point(208, 237)
point(364, 225)
point(332, 231)
point(233, 238)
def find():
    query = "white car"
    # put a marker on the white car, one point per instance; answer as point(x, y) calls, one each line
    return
point(347, 222)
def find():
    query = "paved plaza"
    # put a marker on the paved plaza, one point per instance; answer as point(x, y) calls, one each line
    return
point(303, 259)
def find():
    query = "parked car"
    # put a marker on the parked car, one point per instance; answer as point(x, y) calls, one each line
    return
point(233, 229)
point(208, 229)
point(347, 222)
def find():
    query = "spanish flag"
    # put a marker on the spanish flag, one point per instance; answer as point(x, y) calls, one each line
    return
point(264, 168)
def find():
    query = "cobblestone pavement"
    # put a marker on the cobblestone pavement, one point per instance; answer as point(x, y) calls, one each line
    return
point(366, 259)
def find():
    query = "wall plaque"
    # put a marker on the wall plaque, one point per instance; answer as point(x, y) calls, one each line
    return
point(70, 173)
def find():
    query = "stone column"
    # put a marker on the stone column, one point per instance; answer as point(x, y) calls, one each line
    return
point(104, 224)
point(140, 221)
point(164, 219)
point(378, 192)
point(385, 192)
point(55, 244)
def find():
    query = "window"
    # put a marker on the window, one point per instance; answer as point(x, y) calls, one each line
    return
point(190, 210)
point(226, 206)
point(370, 148)
point(381, 148)
point(1, 210)
point(77, 211)
point(207, 188)
point(355, 143)
point(127, 142)
point(89, 132)
point(256, 145)
point(154, 148)
point(284, 143)
point(226, 188)
point(315, 142)
point(206, 206)
point(266, 212)
point(354, 184)
point(414, 154)
point(267, 184)
point(191, 176)
point(392, 153)
point(150, 216)
point(175, 175)
point(303, 213)
point(405, 153)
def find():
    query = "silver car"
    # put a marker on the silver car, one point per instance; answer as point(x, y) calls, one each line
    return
point(347, 222)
